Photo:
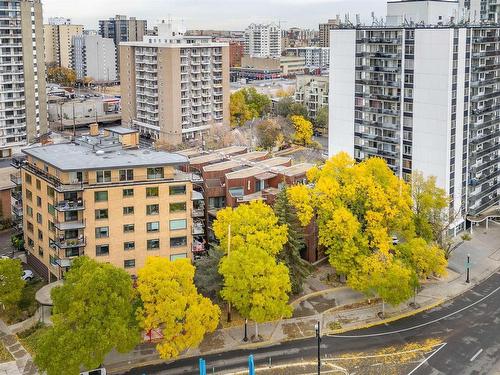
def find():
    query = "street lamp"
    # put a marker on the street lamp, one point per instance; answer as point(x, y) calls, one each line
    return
point(246, 335)
point(318, 336)
point(468, 269)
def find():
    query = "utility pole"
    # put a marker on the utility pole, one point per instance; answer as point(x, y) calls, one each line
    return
point(228, 251)
point(468, 269)
point(318, 336)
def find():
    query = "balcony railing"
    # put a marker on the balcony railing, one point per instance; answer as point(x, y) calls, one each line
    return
point(198, 228)
point(70, 243)
point(198, 212)
point(16, 178)
point(68, 225)
point(64, 206)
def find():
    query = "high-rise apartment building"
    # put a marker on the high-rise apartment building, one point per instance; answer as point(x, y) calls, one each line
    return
point(424, 99)
point(324, 31)
point(104, 197)
point(263, 40)
point(23, 101)
point(480, 10)
point(315, 57)
point(95, 57)
point(174, 87)
point(58, 37)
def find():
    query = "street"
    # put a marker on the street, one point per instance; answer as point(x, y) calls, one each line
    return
point(467, 328)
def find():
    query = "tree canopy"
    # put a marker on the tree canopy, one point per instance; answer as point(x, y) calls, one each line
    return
point(303, 130)
point(170, 302)
point(62, 76)
point(93, 313)
point(268, 132)
point(247, 104)
point(359, 207)
point(11, 283)
point(321, 120)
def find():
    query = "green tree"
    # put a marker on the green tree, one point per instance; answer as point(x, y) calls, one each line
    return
point(207, 278)
point(298, 268)
point(424, 258)
point(93, 314)
point(62, 76)
point(239, 110)
point(170, 302)
point(11, 283)
point(299, 109)
point(283, 107)
point(258, 103)
point(321, 121)
point(268, 132)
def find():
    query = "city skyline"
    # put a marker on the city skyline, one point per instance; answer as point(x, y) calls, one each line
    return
point(214, 14)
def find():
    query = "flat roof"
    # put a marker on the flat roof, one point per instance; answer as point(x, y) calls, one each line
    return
point(120, 130)
point(175, 45)
point(260, 167)
point(73, 157)
point(297, 169)
point(5, 182)
point(235, 161)
point(215, 155)
point(190, 152)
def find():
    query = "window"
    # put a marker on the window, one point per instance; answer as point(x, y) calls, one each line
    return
point(152, 192)
point(29, 195)
point(101, 250)
point(154, 173)
point(51, 209)
point(40, 251)
point(126, 174)
point(177, 190)
point(50, 192)
point(178, 207)
point(178, 256)
point(128, 210)
point(101, 214)
point(128, 193)
point(178, 241)
point(103, 176)
point(129, 263)
point(30, 243)
point(40, 235)
point(52, 227)
point(178, 224)
point(38, 184)
point(128, 228)
point(27, 177)
point(70, 216)
point(153, 244)
point(29, 211)
point(100, 196)
point(153, 226)
point(39, 201)
point(153, 209)
point(236, 191)
point(129, 245)
point(102, 232)
point(39, 218)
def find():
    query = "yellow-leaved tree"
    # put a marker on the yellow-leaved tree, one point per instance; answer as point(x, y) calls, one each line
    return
point(254, 282)
point(303, 130)
point(359, 207)
point(170, 302)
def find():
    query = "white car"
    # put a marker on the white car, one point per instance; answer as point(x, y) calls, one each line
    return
point(27, 275)
point(4, 257)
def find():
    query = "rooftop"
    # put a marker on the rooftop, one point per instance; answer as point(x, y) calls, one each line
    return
point(269, 165)
point(121, 130)
point(217, 155)
point(297, 169)
point(5, 182)
point(76, 157)
point(236, 161)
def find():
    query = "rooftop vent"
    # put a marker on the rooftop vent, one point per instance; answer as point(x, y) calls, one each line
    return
point(99, 152)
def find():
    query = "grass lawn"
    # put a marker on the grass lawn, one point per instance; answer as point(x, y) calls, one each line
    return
point(30, 337)
point(27, 306)
point(4, 354)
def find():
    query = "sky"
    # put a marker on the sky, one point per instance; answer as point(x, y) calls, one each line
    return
point(215, 14)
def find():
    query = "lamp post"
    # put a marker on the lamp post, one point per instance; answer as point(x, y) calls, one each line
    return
point(468, 269)
point(246, 335)
point(318, 337)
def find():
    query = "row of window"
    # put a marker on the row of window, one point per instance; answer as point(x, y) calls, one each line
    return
point(130, 263)
point(179, 224)
point(153, 244)
point(154, 191)
point(103, 176)
point(151, 209)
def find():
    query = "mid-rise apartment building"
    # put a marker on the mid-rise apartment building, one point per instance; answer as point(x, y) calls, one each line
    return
point(324, 31)
point(480, 10)
point(424, 99)
point(315, 57)
point(312, 92)
point(103, 197)
point(94, 56)
point(174, 87)
point(23, 100)
point(58, 38)
point(263, 40)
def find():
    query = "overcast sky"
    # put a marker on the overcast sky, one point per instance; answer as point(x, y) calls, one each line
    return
point(215, 14)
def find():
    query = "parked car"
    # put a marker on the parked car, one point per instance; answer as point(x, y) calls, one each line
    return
point(27, 275)
point(97, 371)
point(4, 257)
point(395, 240)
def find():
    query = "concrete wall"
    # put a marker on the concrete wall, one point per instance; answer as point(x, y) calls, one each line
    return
point(127, 84)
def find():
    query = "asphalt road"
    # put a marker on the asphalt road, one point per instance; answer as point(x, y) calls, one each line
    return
point(468, 326)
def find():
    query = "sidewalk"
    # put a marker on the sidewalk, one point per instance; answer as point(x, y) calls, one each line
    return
point(340, 309)
point(23, 362)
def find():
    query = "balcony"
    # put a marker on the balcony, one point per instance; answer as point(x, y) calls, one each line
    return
point(64, 206)
point(198, 247)
point(70, 243)
point(198, 228)
point(68, 225)
point(16, 178)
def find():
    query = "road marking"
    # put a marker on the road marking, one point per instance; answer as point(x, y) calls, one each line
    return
point(476, 355)
point(419, 325)
point(425, 360)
